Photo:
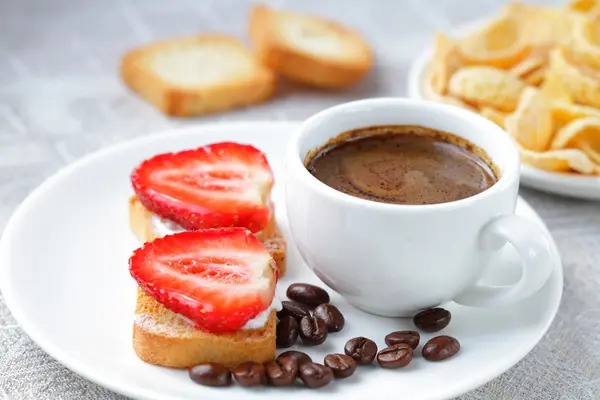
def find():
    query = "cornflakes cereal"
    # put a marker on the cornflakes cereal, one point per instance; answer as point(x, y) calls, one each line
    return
point(487, 86)
point(585, 44)
point(583, 84)
point(565, 160)
point(446, 60)
point(582, 134)
point(544, 25)
point(500, 44)
point(555, 88)
point(536, 77)
point(530, 64)
point(497, 117)
point(565, 113)
point(534, 71)
point(584, 6)
point(531, 124)
point(430, 94)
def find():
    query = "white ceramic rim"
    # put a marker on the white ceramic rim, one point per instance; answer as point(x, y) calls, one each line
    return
point(295, 159)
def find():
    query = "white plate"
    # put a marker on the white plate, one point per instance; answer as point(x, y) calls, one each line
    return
point(583, 187)
point(64, 275)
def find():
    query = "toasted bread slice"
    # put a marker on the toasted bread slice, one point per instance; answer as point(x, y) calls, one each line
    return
point(140, 220)
point(165, 338)
point(310, 50)
point(197, 75)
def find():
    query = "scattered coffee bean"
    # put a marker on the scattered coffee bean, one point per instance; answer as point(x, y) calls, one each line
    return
point(281, 373)
point(432, 320)
point(287, 332)
point(305, 293)
point(333, 318)
point(315, 375)
point(249, 374)
point(289, 364)
point(297, 356)
point(290, 308)
point(411, 338)
point(342, 365)
point(313, 330)
point(210, 374)
point(440, 348)
point(361, 349)
point(396, 356)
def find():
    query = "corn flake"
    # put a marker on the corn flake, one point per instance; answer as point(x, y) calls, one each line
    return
point(500, 44)
point(487, 86)
point(531, 124)
point(497, 117)
point(582, 134)
point(565, 160)
point(446, 60)
point(584, 6)
point(583, 84)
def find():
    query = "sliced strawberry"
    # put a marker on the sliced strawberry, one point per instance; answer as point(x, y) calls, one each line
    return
point(218, 278)
point(219, 185)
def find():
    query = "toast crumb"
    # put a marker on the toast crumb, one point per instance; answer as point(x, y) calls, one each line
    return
point(307, 49)
point(197, 75)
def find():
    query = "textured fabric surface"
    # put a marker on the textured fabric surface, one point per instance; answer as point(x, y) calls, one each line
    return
point(60, 98)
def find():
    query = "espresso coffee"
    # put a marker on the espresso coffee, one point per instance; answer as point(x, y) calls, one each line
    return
point(403, 165)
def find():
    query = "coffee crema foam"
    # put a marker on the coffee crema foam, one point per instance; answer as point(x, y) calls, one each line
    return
point(403, 165)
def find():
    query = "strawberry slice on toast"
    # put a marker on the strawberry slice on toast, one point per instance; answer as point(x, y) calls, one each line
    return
point(220, 185)
point(217, 278)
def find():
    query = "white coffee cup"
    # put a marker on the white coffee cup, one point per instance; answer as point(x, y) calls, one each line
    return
point(395, 260)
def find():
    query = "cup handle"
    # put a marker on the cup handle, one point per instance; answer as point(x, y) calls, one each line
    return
point(534, 246)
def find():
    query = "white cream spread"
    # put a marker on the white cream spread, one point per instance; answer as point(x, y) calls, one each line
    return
point(261, 319)
point(163, 227)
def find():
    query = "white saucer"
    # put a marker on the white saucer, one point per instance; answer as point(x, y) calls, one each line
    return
point(583, 187)
point(64, 275)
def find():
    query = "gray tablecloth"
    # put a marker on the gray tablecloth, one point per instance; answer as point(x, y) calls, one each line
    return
point(60, 98)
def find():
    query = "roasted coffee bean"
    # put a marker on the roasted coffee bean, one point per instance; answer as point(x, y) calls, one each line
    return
point(297, 356)
point(310, 295)
point(313, 330)
point(396, 356)
point(249, 374)
point(210, 374)
point(288, 364)
point(361, 349)
point(411, 338)
point(290, 308)
point(315, 375)
point(432, 320)
point(333, 318)
point(342, 365)
point(287, 332)
point(440, 347)
point(281, 373)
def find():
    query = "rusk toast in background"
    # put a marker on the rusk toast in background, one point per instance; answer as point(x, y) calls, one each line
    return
point(308, 49)
point(197, 75)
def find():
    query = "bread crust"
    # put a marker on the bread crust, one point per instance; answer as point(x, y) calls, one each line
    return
point(300, 64)
point(162, 337)
point(140, 221)
point(187, 101)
